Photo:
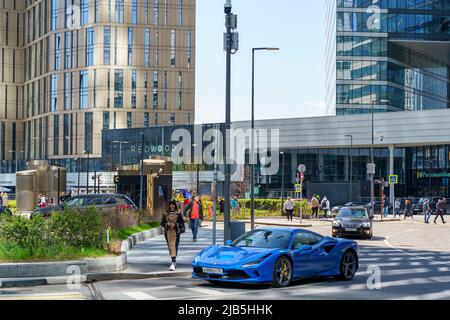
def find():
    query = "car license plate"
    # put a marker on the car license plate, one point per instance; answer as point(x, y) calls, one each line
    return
point(213, 270)
point(351, 229)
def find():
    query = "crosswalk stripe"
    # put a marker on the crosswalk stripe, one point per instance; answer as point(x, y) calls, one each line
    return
point(44, 296)
point(205, 291)
point(139, 295)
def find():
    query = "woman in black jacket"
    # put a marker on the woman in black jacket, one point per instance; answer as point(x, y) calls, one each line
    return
point(173, 224)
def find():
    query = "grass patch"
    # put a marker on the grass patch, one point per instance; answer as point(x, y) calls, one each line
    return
point(10, 252)
point(126, 232)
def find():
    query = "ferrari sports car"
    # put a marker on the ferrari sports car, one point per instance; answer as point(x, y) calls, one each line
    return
point(276, 257)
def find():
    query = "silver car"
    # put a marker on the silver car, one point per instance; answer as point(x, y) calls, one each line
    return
point(353, 221)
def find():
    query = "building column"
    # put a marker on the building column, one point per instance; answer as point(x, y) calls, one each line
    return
point(391, 171)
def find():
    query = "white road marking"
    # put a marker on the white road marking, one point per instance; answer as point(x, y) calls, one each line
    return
point(205, 291)
point(139, 295)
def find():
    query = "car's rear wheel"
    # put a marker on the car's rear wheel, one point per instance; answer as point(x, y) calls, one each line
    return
point(348, 266)
point(282, 272)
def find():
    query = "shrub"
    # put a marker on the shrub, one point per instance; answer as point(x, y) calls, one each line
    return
point(120, 219)
point(24, 232)
point(12, 204)
point(77, 228)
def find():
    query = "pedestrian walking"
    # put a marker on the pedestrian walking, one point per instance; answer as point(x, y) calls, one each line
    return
point(397, 205)
point(408, 209)
point(441, 209)
point(194, 212)
point(288, 208)
point(5, 199)
point(325, 204)
point(221, 205)
point(426, 210)
point(173, 224)
point(385, 206)
point(315, 207)
point(43, 201)
point(235, 205)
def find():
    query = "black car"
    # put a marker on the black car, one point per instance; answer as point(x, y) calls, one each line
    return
point(335, 209)
point(103, 202)
point(5, 210)
point(353, 221)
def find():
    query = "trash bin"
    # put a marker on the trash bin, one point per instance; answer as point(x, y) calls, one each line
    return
point(237, 229)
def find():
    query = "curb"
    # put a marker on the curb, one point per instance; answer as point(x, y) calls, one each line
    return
point(135, 276)
point(39, 281)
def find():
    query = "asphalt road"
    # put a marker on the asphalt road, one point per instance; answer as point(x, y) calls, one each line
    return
point(413, 260)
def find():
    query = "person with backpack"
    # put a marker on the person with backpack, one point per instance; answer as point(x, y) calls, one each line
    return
point(325, 204)
point(441, 209)
point(194, 211)
point(173, 224)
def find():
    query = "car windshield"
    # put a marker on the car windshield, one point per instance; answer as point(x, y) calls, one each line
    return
point(269, 239)
point(353, 213)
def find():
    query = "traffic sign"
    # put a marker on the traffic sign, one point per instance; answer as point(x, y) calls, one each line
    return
point(393, 179)
point(302, 176)
point(298, 188)
point(371, 168)
point(301, 168)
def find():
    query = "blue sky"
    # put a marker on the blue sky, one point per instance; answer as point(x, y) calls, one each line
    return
point(289, 83)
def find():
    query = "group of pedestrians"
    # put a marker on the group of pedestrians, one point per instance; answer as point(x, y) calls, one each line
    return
point(441, 210)
point(173, 222)
point(288, 207)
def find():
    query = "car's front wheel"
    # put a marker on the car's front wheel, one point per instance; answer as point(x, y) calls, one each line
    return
point(348, 266)
point(282, 272)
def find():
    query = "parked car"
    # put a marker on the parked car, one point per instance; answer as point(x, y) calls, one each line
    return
point(100, 201)
point(277, 256)
point(5, 210)
point(353, 221)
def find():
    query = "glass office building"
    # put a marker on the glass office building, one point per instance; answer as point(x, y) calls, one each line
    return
point(394, 54)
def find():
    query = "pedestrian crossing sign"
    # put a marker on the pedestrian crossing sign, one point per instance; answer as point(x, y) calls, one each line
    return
point(393, 179)
point(298, 188)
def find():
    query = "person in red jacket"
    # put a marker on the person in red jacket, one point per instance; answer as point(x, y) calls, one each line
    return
point(194, 211)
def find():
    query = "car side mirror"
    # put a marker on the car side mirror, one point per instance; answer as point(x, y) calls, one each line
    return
point(371, 217)
point(228, 242)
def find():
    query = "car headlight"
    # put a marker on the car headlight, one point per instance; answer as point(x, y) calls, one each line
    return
point(196, 259)
point(336, 223)
point(254, 263)
point(335, 209)
point(366, 225)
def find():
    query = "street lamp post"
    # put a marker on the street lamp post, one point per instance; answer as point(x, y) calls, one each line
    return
point(141, 183)
point(350, 166)
point(282, 180)
point(231, 46)
point(252, 155)
point(87, 171)
point(372, 160)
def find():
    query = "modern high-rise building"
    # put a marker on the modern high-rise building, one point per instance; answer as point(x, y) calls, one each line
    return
point(394, 54)
point(70, 68)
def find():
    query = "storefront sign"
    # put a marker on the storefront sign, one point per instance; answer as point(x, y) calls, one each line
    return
point(421, 174)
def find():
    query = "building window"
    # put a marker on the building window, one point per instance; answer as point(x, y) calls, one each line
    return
point(67, 51)
point(166, 12)
point(118, 88)
point(130, 46)
point(72, 90)
point(66, 91)
point(172, 118)
point(84, 12)
point(156, 47)
point(105, 120)
point(89, 47)
point(155, 89)
point(147, 48)
point(155, 123)
point(134, 12)
point(146, 119)
point(108, 89)
point(66, 134)
point(95, 88)
point(165, 90)
point(54, 14)
point(129, 120)
point(188, 118)
point(84, 82)
point(145, 89)
point(106, 45)
point(180, 91)
point(115, 46)
point(172, 47)
point(189, 47)
point(156, 13)
point(119, 11)
point(133, 89)
point(54, 93)
point(96, 11)
point(181, 13)
point(57, 51)
point(55, 134)
point(88, 132)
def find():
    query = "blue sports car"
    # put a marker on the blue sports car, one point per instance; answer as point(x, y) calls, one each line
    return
point(277, 256)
